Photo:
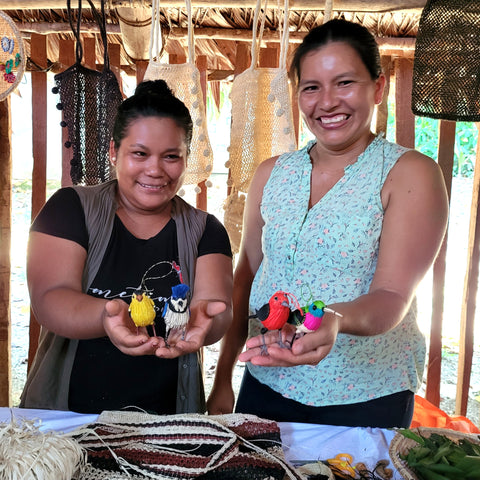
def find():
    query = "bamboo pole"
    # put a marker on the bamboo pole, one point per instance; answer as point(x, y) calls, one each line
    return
point(339, 5)
point(5, 260)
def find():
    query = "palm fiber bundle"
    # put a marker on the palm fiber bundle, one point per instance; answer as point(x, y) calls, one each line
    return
point(26, 452)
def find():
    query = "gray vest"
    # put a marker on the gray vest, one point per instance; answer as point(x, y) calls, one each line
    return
point(48, 381)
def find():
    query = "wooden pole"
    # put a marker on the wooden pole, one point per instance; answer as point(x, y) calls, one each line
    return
point(66, 57)
point(446, 148)
point(39, 146)
point(469, 297)
point(404, 118)
point(382, 109)
point(141, 68)
point(5, 242)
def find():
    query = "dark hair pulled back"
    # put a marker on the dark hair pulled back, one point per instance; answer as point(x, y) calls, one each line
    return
point(339, 30)
point(152, 98)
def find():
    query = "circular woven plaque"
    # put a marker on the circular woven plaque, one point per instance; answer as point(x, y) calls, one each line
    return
point(12, 56)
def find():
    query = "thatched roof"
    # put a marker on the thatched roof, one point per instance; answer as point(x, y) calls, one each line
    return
point(218, 26)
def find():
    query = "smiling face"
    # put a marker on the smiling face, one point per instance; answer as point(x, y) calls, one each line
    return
point(150, 164)
point(337, 95)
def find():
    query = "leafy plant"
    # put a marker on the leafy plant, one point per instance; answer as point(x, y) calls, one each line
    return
point(426, 141)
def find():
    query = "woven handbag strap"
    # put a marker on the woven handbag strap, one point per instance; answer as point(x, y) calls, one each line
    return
point(156, 32)
point(101, 22)
point(102, 25)
point(76, 30)
point(257, 40)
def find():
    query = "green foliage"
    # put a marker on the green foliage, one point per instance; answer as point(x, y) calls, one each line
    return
point(437, 457)
point(426, 141)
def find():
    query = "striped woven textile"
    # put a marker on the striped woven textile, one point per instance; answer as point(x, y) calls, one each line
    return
point(123, 445)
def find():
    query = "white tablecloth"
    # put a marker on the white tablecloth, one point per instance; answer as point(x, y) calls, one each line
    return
point(301, 442)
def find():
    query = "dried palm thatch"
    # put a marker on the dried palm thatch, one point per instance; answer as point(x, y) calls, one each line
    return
point(216, 29)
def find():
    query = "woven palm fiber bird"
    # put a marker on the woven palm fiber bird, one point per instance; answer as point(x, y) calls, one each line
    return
point(176, 312)
point(274, 315)
point(142, 310)
point(310, 317)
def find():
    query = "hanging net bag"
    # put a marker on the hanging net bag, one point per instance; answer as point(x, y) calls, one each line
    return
point(262, 122)
point(89, 101)
point(446, 68)
point(184, 81)
point(12, 56)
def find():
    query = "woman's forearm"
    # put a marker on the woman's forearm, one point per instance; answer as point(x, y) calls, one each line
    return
point(70, 313)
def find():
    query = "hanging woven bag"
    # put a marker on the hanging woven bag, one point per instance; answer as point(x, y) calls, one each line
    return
point(184, 81)
point(89, 101)
point(262, 122)
point(446, 66)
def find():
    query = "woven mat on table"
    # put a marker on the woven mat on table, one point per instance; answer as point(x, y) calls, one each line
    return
point(123, 445)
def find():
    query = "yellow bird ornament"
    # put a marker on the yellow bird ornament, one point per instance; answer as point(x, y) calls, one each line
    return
point(142, 310)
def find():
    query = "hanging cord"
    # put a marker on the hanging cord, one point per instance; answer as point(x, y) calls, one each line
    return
point(156, 32)
point(76, 31)
point(257, 42)
point(191, 42)
point(328, 11)
point(101, 21)
point(285, 33)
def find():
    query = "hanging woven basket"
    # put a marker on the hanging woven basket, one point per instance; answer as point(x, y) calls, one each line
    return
point(446, 69)
point(12, 56)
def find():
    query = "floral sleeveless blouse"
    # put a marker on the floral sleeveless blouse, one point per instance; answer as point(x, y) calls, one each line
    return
point(329, 253)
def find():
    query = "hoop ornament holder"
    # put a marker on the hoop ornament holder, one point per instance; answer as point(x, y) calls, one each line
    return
point(12, 56)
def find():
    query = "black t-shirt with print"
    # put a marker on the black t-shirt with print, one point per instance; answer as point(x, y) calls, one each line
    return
point(103, 378)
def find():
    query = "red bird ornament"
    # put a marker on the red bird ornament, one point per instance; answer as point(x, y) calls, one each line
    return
point(275, 314)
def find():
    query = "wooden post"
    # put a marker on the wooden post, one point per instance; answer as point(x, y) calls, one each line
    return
point(469, 297)
point(5, 242)
point(141, 69)
point(295, 110)
point(66, 57)
point(382, 109)
point(115, 65)
point(202, 65)
point(89, 52)
point(39, 146)
point(405, 120)
point(446, 147)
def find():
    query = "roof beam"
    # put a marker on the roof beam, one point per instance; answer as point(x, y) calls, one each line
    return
point(233, 34)
point(339, 5)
